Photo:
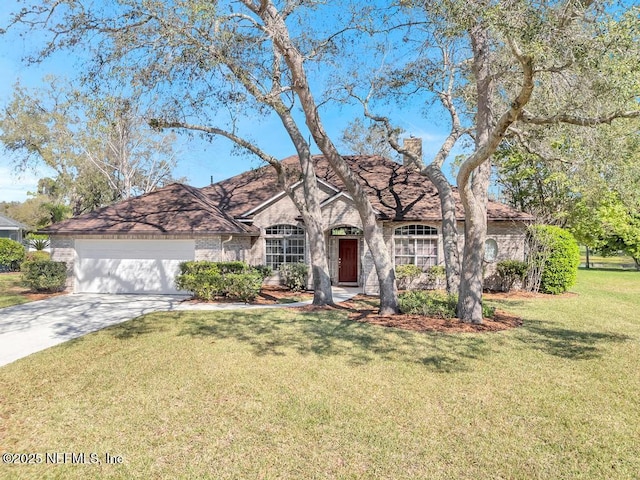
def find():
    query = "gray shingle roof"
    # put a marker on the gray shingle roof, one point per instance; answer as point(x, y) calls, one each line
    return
point(10, 223)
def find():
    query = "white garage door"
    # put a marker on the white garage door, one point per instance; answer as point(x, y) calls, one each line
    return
point(130, 266)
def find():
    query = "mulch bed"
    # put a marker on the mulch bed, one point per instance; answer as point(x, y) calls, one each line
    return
point(524, 295)
point(26, 293)
point(358, 312)
point(40, 296)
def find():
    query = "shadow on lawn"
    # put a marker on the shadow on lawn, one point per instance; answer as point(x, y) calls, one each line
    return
point(330, 334)
point(571, 344)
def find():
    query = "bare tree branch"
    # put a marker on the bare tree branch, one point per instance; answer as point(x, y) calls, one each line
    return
point(528, 117)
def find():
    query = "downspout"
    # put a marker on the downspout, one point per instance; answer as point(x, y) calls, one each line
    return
point(222, 246)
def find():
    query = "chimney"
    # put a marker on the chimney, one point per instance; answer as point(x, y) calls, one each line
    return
point(414, 145)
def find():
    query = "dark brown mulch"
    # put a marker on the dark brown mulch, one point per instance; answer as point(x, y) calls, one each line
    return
point(32, 296)
point(524, 295)
point(359, 310)
point(40, 296)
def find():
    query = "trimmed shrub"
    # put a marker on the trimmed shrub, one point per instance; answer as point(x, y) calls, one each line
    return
point(264, 270)
point(294, 275)
point(38, 255)
point(201, 278)
point(198, 266)
point(44, 275)
point(232, 267)
point(243, 286)
point(434, 304)
point(11, 255)
point(208, 280)
point(553, 260)
point(429, 304)
point(407, 274)
point(511, 271)
point(436, 276)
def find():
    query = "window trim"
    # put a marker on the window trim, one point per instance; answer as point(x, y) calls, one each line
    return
point(412, 233)
point(290, 237)
point(350, 231)
point(496, 252)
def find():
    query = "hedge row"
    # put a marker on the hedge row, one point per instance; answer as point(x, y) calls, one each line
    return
point(208, 280)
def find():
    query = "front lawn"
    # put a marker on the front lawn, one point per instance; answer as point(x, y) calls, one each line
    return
point(290, 394)
point(12, 292)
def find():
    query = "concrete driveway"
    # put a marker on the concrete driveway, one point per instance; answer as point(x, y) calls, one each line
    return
point(31, 327)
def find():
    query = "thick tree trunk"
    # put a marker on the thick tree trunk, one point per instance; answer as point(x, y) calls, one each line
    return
point(471, 281)
point(473, 186)
point(449, 227)
point(312, 215)
point(311, 212)
point(277, 30)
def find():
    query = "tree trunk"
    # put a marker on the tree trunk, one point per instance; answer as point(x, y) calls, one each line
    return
point(311, 212)
point(588, 260)
point(449, 227)
point(312, 215)
point(470, 291)
point(473, 186)
point(277, 30)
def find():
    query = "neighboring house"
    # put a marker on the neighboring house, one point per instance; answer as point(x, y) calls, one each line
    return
point(136, 245)
point(12, 229)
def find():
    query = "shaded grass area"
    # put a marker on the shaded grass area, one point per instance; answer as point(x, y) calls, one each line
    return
point(287, 394)
point(11, 289)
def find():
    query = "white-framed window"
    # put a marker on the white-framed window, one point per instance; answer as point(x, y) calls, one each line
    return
point(346, 230)
point(284, 244)
point(490, 250)
point(417, 245)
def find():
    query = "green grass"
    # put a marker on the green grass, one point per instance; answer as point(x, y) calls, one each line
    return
point(287, 394)
point(614, 261)
point(10, 288)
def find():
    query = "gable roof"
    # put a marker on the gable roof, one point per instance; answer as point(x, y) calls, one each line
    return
point(174, 209)
point(7, 223)
point(396, 192)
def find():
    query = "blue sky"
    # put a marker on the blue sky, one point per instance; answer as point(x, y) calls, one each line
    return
point(198, 160)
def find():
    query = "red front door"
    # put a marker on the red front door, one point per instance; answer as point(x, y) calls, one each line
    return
point(348, 260)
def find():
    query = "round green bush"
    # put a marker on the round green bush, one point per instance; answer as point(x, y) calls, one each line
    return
point(44, 275)
point(407, 274)
point(37, 255)
point(554, 252)
point(294, 275)
point(11, 254)
point(510, 272)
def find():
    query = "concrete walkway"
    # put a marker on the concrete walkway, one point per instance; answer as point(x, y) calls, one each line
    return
point(31, 327)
